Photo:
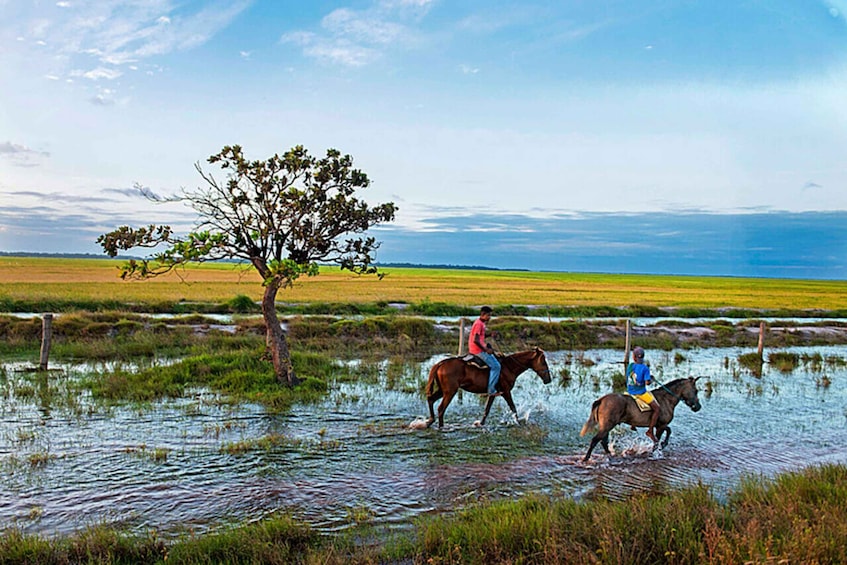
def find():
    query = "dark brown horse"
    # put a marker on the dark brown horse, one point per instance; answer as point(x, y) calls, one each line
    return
point(448, 376)
point(613, 409)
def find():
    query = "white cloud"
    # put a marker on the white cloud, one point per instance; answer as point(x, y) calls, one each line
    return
point(20, 155)
point(342, 53)
point(80, 37)
point(362, 27)
point(9, 148)
point(359, 37)
point(97, 74)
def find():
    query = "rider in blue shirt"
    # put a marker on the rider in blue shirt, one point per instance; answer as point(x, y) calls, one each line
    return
point(637, 379)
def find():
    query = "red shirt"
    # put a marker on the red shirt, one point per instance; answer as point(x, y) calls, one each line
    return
point(478, 328)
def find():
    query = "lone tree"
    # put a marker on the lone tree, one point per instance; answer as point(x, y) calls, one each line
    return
point(284, 215)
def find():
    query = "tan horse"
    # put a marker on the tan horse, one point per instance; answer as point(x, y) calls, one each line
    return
point(613, 409)
point(448, 376)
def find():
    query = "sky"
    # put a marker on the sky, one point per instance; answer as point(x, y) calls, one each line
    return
point(671, 137)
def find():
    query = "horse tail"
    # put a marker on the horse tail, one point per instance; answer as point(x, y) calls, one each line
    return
point(432, 386)
point(591, 422)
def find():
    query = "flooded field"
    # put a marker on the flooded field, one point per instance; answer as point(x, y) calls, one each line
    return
point(198, 462)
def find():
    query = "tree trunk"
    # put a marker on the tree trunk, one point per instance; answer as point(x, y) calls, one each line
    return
point(276, 339)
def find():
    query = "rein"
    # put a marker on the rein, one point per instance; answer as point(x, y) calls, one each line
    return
point(672, 393)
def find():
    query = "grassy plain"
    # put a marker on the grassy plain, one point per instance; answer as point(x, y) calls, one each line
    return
point(68, 281)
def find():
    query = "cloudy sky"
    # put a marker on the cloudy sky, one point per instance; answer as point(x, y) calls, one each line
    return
point(695, 136)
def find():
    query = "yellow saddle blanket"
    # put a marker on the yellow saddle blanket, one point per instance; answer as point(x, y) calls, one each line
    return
point(643, 406)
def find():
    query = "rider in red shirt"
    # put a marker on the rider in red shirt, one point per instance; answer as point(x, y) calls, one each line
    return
point(479, 347)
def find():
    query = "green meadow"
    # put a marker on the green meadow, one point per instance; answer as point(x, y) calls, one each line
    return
point(66, 284)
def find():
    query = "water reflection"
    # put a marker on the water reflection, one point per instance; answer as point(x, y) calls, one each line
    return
point(195, 462)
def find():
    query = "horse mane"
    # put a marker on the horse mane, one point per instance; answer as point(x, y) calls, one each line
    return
point(513, 358)
point(677, 381)
point(672, 384)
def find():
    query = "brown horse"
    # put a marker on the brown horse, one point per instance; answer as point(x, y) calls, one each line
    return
point(613, 409)
point(449, 375)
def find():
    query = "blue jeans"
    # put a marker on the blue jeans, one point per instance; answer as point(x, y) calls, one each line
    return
point(494, 376)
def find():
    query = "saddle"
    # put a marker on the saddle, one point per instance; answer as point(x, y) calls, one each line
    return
point(475, 361)
point(643, 406)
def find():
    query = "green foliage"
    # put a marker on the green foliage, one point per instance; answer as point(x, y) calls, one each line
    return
point(242, 304)
point(784, 361)
point(240, 375)
point(752, 362)
point(278, 539)
point(427, 308)
point(98, 544)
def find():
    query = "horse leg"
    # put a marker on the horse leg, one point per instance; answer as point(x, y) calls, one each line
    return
point(667, 432)
point(602, 438)
point(594, 441)
point(431, 401)
point(487, 409)
point(508, 397)
point(604, 441)
point(448, 396)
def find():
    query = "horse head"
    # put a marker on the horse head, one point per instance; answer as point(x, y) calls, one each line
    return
point(688, 393)
point(539, 365)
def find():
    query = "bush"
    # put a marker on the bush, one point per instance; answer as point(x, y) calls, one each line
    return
point(783, 361)
point(242, 304)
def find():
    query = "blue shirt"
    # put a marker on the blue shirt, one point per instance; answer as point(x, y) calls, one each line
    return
point(637, 375)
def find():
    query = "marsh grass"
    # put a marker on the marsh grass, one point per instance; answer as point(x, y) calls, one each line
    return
point(798, 518)
point(752, 362)
point(783, 361)
point(156, 454)
point(242, 376)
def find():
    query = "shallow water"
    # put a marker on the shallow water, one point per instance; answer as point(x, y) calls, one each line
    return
point(67, 462)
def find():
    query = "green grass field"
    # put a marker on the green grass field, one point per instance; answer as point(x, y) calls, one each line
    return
point(51, 280)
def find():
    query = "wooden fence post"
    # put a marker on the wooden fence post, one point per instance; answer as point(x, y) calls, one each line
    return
point(761, 339)
point(461, 349)
point(626, 350)
point(46, 336)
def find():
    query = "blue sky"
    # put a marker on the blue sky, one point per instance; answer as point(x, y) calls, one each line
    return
point(578, 135)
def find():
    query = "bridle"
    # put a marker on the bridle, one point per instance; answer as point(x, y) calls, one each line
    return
point(687, 402)
point(542, 374)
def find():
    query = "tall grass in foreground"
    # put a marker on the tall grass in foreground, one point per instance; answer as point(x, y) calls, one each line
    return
point(799, 517)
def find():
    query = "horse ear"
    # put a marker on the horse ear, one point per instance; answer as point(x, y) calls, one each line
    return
point(697, 378)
